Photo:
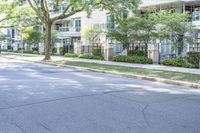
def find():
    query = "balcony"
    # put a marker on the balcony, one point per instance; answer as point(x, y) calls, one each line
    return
point(68, 32)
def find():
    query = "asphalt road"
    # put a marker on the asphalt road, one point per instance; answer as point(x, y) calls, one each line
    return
point(37, 98)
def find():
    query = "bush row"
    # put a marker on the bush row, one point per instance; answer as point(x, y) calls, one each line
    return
point(178, 62)
point(193, 58)
point(70, 55)
point(190, 61)
point(90, 56)
point(132, 59)
point(20, 51)
point(136, 53)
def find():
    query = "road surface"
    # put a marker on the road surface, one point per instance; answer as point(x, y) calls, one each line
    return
point(36, 98)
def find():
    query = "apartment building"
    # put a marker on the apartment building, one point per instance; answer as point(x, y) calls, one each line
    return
point(69, 30)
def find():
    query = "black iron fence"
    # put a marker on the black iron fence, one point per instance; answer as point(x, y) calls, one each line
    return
point(90, 48)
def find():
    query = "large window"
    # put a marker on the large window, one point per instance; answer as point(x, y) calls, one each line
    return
point(111, 24)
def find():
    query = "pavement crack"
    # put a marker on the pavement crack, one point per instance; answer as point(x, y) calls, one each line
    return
point(19, 127)
point(144, 115)
point(64, 98)
point(48, 101)
point(45, 127)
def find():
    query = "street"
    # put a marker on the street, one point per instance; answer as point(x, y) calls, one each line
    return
point(36, 98)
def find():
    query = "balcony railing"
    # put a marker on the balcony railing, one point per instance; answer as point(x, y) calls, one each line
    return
point(69, 29)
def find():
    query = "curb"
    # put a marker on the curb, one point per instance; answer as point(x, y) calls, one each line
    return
point(153, 79)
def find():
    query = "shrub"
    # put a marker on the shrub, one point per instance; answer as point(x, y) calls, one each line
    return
point(193, 58)
point(28, 52)
point(70, 55)
point(136, 53)
point(61, 50)
point(35, 49)
point(90, 56)
point(3, 50)
point(10, 50)
point(36, 52)
point(97, 52)
point(54, 50)
point(132, 59)
point(178, 62)
point(15, 51)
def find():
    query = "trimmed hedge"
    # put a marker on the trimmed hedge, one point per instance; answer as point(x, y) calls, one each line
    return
point(70, 55)
point(132, 59)
point(36, 52)
point(193, 58)
point(177, 62)
point(136, 53)
point(90, 56)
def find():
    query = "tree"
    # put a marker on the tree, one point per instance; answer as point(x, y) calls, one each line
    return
point(153, 25)
point(173, 26)
point(142, 29)
point(120, 33)
point(137, 28)
point(33, 37)
point(44, 8)
point(6, 12)
point(91, 34)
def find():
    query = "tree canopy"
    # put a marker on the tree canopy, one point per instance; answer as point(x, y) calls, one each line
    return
point(161, 25)
point(45, 8)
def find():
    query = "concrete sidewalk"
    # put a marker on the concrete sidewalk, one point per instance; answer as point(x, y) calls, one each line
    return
point(147, 66)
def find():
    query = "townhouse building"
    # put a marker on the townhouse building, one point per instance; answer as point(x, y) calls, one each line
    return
point(69, 30)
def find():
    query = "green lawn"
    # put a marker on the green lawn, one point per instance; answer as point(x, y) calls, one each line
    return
point(194, 78)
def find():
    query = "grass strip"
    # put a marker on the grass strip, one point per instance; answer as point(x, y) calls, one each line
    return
point(192, 78)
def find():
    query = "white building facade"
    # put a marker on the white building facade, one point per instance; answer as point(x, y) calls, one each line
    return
point(69, 30)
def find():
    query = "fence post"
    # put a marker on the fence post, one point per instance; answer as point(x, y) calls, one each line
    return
point(199, 64)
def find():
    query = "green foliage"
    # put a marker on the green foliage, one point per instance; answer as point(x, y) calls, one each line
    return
point(136, 53)
point(70, 55)
point(33, 37)
point(153, 25)
point(28, 52)
point(91, 34)
point(54, 50)
point(97, 52)
point(173, 26)
point(132, 59)
point(61, 49)
point(178, 62)
point(10, 50)
point(35, 49)
point(193, 58)
point(90, 56)
point(35, 52)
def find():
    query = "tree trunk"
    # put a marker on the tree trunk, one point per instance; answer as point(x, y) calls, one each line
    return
point(47, 41)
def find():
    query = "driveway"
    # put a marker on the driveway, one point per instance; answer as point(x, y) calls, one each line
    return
point(37, 98)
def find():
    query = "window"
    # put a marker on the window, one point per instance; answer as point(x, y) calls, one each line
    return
point(64, 27)
point(110, 21)
point(78, 25)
